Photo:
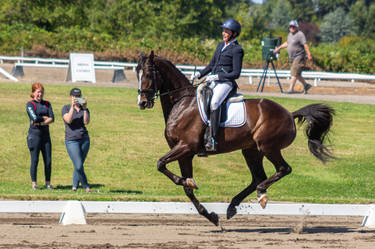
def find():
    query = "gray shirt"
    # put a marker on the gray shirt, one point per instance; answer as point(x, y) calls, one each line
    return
point(296, 43)
point(77, 129)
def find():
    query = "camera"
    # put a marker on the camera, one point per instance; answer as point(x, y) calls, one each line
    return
point(80, 101)
point(268, 45)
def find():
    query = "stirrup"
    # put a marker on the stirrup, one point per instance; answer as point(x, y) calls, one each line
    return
point(211, 145)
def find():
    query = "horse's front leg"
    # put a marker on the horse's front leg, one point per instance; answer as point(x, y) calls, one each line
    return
point(177, 152)
point(186, 167)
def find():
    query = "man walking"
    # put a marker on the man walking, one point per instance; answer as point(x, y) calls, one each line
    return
point(297, 50)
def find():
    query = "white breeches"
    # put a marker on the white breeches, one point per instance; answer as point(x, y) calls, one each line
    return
point(220, 92)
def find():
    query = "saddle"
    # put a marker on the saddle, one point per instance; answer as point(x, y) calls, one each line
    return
point(204, 92)
point(233, 110)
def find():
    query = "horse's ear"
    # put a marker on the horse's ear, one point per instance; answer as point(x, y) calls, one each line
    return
point(152, 55)
point(141, 54)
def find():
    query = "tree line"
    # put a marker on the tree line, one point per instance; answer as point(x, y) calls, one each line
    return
point(187, 31)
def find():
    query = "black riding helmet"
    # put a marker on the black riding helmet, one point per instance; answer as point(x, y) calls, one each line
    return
point(233, 25)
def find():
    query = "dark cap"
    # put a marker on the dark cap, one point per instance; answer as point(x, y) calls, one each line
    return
point(75, 92)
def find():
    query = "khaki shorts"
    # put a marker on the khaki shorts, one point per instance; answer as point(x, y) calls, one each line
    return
point(296, 67)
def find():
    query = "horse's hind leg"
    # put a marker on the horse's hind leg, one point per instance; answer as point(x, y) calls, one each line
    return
point(282, 169)
point(254, 160)
point(186, 167)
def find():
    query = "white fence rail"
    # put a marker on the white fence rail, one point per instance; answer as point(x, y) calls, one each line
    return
point(187, 69)
point(72, 212)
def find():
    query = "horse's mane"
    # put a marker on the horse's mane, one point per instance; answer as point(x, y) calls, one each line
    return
point(162, 62)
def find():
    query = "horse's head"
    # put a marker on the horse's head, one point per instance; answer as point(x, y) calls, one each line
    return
point(147, 81)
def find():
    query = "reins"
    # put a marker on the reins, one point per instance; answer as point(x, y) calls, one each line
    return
point(182, 88)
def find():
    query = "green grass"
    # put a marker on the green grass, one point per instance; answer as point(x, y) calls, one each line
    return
point(126, 143)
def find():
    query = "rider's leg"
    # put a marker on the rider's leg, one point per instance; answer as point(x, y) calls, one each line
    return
point(220, 92)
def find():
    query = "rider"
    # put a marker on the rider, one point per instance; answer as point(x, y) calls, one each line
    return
point(225, 66)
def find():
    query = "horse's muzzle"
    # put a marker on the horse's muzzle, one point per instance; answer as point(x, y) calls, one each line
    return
point(146, 104)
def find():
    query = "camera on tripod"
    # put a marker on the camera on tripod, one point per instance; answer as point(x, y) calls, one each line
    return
point(268, 45)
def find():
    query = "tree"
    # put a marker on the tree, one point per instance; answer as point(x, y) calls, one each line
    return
point(302, 10)
point(281, 14)
point(364, 18)
point(336, 25)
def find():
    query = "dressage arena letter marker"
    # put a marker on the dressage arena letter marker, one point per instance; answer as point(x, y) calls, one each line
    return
point(74, 213)
point(81, 67)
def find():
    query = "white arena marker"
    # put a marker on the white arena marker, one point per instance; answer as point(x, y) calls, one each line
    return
point(74, 213)
point(369, 220)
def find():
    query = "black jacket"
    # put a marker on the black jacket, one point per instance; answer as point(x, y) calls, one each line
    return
point(36, 111)
point(226, 64)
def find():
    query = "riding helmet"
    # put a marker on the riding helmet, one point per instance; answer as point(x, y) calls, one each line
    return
point(233, 25)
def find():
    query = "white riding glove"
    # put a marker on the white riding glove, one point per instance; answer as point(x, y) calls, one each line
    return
point(212, 77)
point(195, 75)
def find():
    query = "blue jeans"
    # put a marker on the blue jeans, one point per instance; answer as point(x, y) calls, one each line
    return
point(77, 150)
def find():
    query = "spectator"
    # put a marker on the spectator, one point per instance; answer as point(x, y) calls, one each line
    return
point(38, 138)
point(76, 116)
point(297, 49)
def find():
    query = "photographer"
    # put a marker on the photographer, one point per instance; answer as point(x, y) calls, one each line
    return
point(77, 140)
point(297, 50)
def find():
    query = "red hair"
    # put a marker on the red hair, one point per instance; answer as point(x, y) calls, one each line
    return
point(35, 87)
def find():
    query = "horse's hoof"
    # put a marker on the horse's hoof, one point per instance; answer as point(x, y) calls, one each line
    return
point(214, 218)
point(191, 183)
point(263, 199)
point(231, 211)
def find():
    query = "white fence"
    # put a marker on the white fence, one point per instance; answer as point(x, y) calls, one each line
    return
point(72, 212)
point(186, 69)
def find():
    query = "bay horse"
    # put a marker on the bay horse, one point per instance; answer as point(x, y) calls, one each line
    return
point(269, 128)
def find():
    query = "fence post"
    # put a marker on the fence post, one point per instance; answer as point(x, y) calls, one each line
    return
point(118, 75)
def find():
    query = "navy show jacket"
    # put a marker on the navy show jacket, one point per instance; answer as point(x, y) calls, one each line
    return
point(227, 64)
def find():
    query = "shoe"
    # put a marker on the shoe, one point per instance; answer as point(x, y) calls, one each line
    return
point(35, 187)
point(88, 190)
point(49, 186)
point(74, 189)
point(307, 87)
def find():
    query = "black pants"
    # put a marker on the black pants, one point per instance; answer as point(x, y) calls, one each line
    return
point(37, 143)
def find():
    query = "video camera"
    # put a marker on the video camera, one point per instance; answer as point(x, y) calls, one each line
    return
point(268, 45)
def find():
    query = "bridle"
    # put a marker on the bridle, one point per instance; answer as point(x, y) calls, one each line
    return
point(168, 92)
point(152, 91)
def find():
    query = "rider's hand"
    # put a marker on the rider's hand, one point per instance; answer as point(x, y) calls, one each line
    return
point(195, 75)
point(212, 77)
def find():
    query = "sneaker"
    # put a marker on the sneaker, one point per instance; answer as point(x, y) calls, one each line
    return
point(35, 187)
point(74, 189)
point(307, 87)
point(49, 186)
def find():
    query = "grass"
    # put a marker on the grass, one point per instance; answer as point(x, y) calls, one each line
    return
point(126, 143)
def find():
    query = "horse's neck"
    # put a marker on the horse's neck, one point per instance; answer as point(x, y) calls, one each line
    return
point(173, 87)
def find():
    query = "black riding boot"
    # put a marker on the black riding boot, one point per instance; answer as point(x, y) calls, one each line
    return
point(214, 129)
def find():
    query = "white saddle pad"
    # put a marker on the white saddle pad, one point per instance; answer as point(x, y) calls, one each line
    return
point(236, 113)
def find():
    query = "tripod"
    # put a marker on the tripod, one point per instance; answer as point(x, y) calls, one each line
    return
point(264, 74)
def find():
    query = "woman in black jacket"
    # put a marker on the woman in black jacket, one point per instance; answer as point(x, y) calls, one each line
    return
point(38, 138)
point(225, 67)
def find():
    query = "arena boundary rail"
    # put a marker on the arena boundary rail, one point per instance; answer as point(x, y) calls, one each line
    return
point(73, 212)
point(317, 76)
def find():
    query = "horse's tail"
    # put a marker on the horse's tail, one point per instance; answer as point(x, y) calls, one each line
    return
point(319, 118)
